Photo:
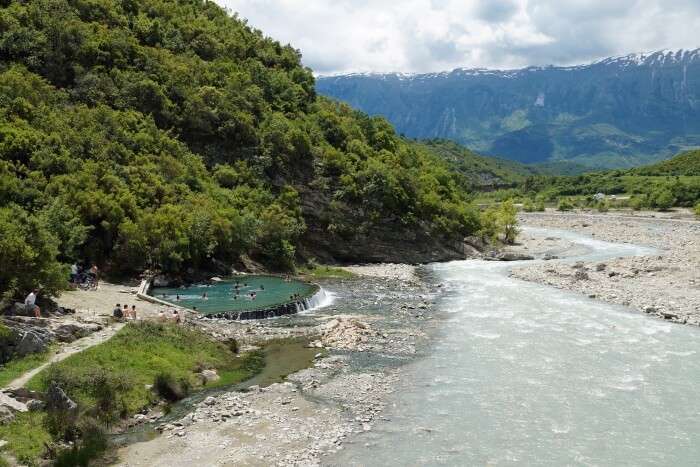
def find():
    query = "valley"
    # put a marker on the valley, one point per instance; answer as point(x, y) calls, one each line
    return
point(212, 254)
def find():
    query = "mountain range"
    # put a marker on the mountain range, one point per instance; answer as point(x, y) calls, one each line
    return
point(616, 112)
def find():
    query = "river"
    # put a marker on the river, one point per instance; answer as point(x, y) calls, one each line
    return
point(524, 374)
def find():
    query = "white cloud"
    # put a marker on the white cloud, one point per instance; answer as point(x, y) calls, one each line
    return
point(435, 35)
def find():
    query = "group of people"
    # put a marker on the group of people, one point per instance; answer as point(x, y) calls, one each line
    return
point(120, 313)
point(237, 291)
point(125, 313)
point(81, 276)
point(173, 314)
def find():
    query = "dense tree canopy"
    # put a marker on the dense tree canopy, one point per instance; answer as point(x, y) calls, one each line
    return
point(165, 133)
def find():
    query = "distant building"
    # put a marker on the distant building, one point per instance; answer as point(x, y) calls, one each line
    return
point(599, 196)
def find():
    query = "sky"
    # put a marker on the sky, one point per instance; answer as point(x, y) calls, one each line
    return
point(421, 36)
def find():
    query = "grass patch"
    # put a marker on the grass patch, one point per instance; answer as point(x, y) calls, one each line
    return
point(119, 371)
point(16, 368)
point(143, 362)
point(25, 436)
point(325, 272)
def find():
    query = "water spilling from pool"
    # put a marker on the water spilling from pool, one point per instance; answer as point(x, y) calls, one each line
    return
point(524, 374)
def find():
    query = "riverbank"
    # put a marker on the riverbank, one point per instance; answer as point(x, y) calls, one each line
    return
point(665, 284)
point(377, 323)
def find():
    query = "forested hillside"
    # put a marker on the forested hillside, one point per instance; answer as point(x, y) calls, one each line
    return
point(484, 173)
point(675, 182)
point(167, 134)
point(687, 163)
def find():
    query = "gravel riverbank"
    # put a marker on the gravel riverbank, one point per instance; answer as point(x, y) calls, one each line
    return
point(666, 284)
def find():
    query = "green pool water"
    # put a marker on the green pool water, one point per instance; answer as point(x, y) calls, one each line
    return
point(224, 296)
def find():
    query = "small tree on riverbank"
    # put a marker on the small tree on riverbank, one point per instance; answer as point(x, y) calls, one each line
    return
point(500, 221)
point(508, 221)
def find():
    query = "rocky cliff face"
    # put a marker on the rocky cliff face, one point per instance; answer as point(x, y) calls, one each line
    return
point(386, 241)
point(616, 112)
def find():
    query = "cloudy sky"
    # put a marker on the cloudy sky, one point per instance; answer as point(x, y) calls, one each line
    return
point(338, 36)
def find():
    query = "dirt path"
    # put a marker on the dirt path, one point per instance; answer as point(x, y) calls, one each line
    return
point(65, 352)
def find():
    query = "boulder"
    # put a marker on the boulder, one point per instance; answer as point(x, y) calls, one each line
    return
point(20, 309)
point(12, 404)
point(6, 415)
point(72, 331)
point(507, 256)
point(669, 315)
point(31, 341)
point(35, 405)
point(475, 242)
point(23, 394)
point(210, 401)
point(209, 376)
point(56, 399)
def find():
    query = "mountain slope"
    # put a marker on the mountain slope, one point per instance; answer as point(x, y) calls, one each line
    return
point(618, 112)
point(685, 164)
point(166, 134)
point(484, 173)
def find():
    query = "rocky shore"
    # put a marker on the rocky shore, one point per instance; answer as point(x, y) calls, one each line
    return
point(384, 314)
point(665, 284)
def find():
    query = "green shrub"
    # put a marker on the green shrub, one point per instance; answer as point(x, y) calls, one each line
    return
point(232, 345)
point(603, 206)
point(639, 202)
point(92, 443)
point(529, 205)
point(697, 209)
point(565, 205)
point(663, 199)
point(169, 388)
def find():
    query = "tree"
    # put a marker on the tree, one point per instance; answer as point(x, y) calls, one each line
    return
point(28, 253)
point(663, 199)
point(565, 205)
point(508, 221)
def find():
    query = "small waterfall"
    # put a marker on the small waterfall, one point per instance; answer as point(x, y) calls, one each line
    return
point(319, 300)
